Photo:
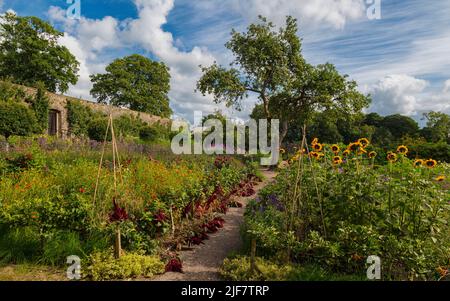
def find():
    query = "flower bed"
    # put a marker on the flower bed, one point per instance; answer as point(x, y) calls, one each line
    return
point(334, 207)
point(47, 208)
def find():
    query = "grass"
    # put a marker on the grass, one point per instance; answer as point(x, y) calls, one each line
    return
point(31, 272)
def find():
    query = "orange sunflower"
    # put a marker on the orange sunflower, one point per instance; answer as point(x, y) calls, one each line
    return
point(337, 160)
point(402, 150)
point(317, 147)
point(354, 146)
point(418, 163)
point(430, 163)
point(335, 148)
point(391, 157)
point(364, 142)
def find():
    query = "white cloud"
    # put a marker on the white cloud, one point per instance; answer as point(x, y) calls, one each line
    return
point(332, 12)
point(407, 95)
point(397, 94)
point(447, 86)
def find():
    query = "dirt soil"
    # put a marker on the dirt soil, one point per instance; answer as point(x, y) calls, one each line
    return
point(203, 262)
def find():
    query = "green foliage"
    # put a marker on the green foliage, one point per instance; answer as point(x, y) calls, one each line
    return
point(9, 91)
point(97, 129)
point(238, 269)
point(270, 64)
point(439, 151)
point(41, 106)
point(335, 216)
point(148, 133)
point(18, 245)
point(29, 53)
point(59, 245)
point(400, 126)
point(16, 119)
point(135, 82)
point(103, 266)
point(79, 117)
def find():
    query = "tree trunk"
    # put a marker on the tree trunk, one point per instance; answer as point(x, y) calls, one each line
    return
point(284, 131)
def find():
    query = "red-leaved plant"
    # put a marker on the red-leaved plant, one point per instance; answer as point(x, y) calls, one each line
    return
point(119, 214)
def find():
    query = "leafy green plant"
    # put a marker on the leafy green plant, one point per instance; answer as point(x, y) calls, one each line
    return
point(103, 266)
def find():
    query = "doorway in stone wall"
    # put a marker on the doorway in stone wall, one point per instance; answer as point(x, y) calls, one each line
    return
point(54, 121)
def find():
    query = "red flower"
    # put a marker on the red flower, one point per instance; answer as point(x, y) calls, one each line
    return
point(82, 190)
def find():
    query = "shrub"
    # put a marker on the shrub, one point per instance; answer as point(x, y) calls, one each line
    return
point(148, 134)
point(103, 266)
point(79, 117)
point(16, 119)
point(97, 129)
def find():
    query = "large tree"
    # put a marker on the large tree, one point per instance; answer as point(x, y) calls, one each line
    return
point(135, 82)
point(269, 64)
point(438, 127)
point(30, 53)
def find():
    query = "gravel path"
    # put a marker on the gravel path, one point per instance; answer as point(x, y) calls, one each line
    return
point(203, 262)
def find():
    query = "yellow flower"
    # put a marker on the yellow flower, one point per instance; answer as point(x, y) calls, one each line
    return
point(372, 154)
point(317, 147)
point(290, 161)
point(315, 141)
point(314, 154)
point(440, 178)
point(337, 160)
point(355, 146)
point(402, 150)
point(430, 163)
point(418, 163)
point(392, 157)
point(362, 151)
point(335, 148)
point(364, 142)
point(346, 153)
point(282, 150)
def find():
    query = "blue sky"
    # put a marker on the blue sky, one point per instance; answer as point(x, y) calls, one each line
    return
point(402, 59)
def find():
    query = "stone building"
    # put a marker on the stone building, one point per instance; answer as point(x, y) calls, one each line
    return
point(58, 124)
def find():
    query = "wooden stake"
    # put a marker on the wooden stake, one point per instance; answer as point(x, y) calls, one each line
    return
point(118, 245)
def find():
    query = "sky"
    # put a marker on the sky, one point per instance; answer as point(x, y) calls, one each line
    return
point(402, 58)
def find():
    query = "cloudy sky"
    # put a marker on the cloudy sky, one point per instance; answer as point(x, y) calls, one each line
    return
point(402, 59)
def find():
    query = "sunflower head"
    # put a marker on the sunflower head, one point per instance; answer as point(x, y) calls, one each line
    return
point(402, 150)
point(430, 163)
point(317, 147)
point(355, 146)
point(440, 178)
point(372, 154)
point(314, 154)
point(361, 151)
point(315, 141)
point(364, 142)
point(418, 163)
point(282, 151)
point(335, 148)
point(337, 160)
point(290, 161)
point(391, 157)
point(346, 153)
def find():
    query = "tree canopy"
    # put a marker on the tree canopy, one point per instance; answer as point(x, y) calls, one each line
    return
point(30, 53)
point(135, 82)
point(269, 63)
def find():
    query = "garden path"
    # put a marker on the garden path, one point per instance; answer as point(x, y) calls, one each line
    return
point(202, 263)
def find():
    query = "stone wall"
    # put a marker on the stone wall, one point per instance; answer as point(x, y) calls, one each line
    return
point(59, 103)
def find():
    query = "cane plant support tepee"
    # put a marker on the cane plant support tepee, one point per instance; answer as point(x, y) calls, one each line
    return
point(116, 173)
